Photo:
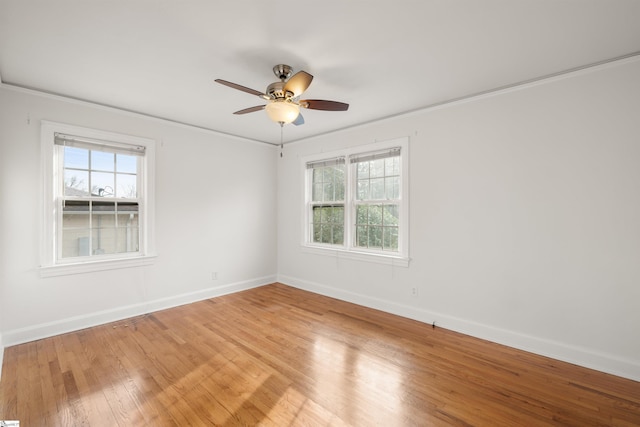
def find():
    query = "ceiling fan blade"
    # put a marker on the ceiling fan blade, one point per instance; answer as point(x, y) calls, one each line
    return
point(298, 121)
point(298, 83)
point(250, 109)
point(242, 88)
point(320, 104)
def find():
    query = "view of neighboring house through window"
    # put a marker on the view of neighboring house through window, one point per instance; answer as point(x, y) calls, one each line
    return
point(357, 200)
point(99, 200)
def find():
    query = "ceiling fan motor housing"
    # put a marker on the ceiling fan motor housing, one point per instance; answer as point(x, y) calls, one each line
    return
point(276, 91)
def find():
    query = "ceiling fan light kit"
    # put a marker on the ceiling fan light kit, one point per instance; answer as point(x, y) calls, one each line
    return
point(283, 103)
point(282, 111)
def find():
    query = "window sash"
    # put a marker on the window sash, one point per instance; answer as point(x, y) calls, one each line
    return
point(380, 223)
point(101, 182)
point(98, 227)
point(327, 227)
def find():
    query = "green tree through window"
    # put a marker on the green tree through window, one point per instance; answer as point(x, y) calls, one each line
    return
point(327, 201)
point(357, 201)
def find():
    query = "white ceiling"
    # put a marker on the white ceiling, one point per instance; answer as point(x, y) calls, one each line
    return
point(160, 57)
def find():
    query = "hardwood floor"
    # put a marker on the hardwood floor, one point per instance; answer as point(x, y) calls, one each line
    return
point(280, 356)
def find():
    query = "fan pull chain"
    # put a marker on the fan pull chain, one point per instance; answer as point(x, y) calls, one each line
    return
point(281, 138)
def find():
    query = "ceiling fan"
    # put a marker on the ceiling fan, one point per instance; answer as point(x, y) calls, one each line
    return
point(284, 97)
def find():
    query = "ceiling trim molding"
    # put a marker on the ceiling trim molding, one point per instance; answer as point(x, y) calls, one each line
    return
point(525, 84)
point(131, 113)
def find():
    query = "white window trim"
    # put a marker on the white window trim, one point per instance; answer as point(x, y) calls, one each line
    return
point(348, 251)
point(49, 266)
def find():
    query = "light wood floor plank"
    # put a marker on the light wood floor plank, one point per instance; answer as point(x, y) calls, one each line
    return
point(279, 356)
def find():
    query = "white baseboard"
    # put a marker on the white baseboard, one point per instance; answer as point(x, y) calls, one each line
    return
point(45, 330)
point(576, 355)
point(1, 355)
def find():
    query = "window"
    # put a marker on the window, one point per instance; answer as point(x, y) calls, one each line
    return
point(357, 202)
point(98, 199)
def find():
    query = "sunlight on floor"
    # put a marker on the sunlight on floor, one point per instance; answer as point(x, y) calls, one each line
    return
point(337, 364)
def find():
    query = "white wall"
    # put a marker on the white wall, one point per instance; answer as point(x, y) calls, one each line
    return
point(215, 211)
point(524, 219)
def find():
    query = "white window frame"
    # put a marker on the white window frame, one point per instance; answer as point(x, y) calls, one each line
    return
point(51, 263)
point(348, 249)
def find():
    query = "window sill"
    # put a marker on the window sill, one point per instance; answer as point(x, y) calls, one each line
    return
point(93, 266)
point(395, 260)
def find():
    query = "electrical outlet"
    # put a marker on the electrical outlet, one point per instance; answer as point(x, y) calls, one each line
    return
point(414, 291)
point(214, 275)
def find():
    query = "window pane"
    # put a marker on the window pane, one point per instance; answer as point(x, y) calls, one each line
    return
point(317, 214)
point(323, 214)
point(127, 164)
point(103, 241)
point(338, 173)
point(377, 189)
point(362, 237)
point(127, 239)
point(363, 170)
point(376, 168)
point(75, 228)
point(392, 166)
point(375, 214)
point(126, 220)
point(337, 215)
point(102, 161)
point(328, 192)
point(126, 186)
point(375, 237)
point(327, 174)
point(317, 175)
point(317, 192)
point(390, 242)
point(391, 215)
point(103, 214)
point(339, 188)
point(363, 189)
point(392, 187)
point(325, 233)
point(338, 235)
point(361, 214)
point(75, 214)
point(77, 158)
point(76, 183)
point(338, 182)
point(316, 232)
point(102, 184)
point(75, 242)
point(128, 236)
